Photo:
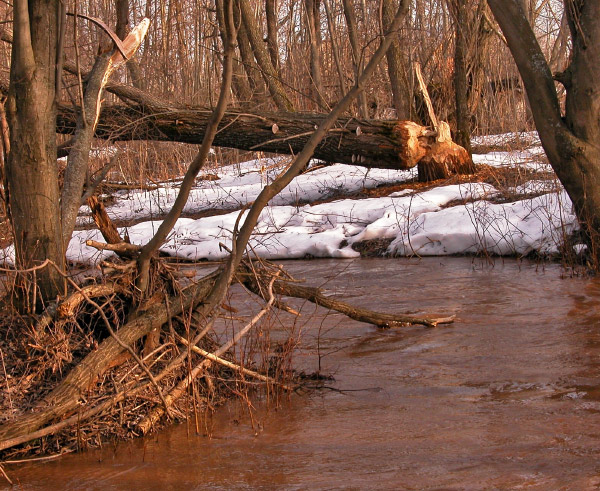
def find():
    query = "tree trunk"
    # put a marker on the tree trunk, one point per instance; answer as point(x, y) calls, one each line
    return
point(250, 67)
point(363, 110)
point(397, 66)
point(570, 144)
point(463, 126)
point(313, 20)
point(367, 143)
point(239, 82)
point(334, 47)
point(272, 32)
point(32, 173)
point(270, 75)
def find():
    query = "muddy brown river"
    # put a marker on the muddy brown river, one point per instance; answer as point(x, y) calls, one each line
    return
point(506, 397)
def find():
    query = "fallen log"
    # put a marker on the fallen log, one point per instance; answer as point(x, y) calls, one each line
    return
point(317, 296)
point(367, 143)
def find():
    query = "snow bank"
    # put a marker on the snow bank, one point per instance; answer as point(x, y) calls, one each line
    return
point(456, 219)
point(241, 184)
point(415, 223)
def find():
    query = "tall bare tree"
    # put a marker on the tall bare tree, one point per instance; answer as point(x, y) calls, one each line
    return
point(570, 141)
point(350, 15)
point(272, 31)
point(32, 173)
point(313, 21)
point(397, 66)
point(463, 124)
point(268, 71)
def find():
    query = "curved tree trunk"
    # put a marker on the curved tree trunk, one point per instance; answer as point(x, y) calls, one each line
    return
point(570, 144)
point(31, 170)
point(268, 71)
point(239, 82)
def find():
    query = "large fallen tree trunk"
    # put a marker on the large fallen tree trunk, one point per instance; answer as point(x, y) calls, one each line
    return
point(368, 143)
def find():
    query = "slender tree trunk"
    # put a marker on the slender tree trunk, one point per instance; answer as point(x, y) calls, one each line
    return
point(251, 68)
point(270, 75)
point(272, 32)
point(32, 173)
point(313, 21)
point(463, 125)
point(401, 93)
point(363, 109)
point(334, 47)
point(239, 81)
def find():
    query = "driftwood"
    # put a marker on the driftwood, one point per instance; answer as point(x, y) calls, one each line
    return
point(70, 393)
point(316, 296)
point(367, 143)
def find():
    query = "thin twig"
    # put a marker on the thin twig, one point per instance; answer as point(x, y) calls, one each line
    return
point(5, 475)
point(182, 386)
point(234, 366)
point(6, 378)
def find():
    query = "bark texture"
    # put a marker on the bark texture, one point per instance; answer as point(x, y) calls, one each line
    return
point(397, 65)
point(571, 143)
point(268, 71)
point(31, 171)
point(368, 143)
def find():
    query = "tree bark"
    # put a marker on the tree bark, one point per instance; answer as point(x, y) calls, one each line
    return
point(250, 67)
point(363, 110)
point(239, 81)
point(31, 170)
point(397, 66)
point(272, 32)
point(367, 143)
point(313, 21)
point(463, 125)
point(270, 75)
point(570, 144)
point(334, 46)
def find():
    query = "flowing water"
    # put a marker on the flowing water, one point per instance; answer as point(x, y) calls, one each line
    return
point(506, 397)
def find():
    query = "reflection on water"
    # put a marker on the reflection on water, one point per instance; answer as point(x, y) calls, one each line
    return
point(506, 397)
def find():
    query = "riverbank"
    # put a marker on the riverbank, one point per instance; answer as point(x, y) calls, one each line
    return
point(506, 397)
point(512, 206)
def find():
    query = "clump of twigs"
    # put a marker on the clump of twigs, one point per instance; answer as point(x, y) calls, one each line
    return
point(75, 375)
point(177, 372)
